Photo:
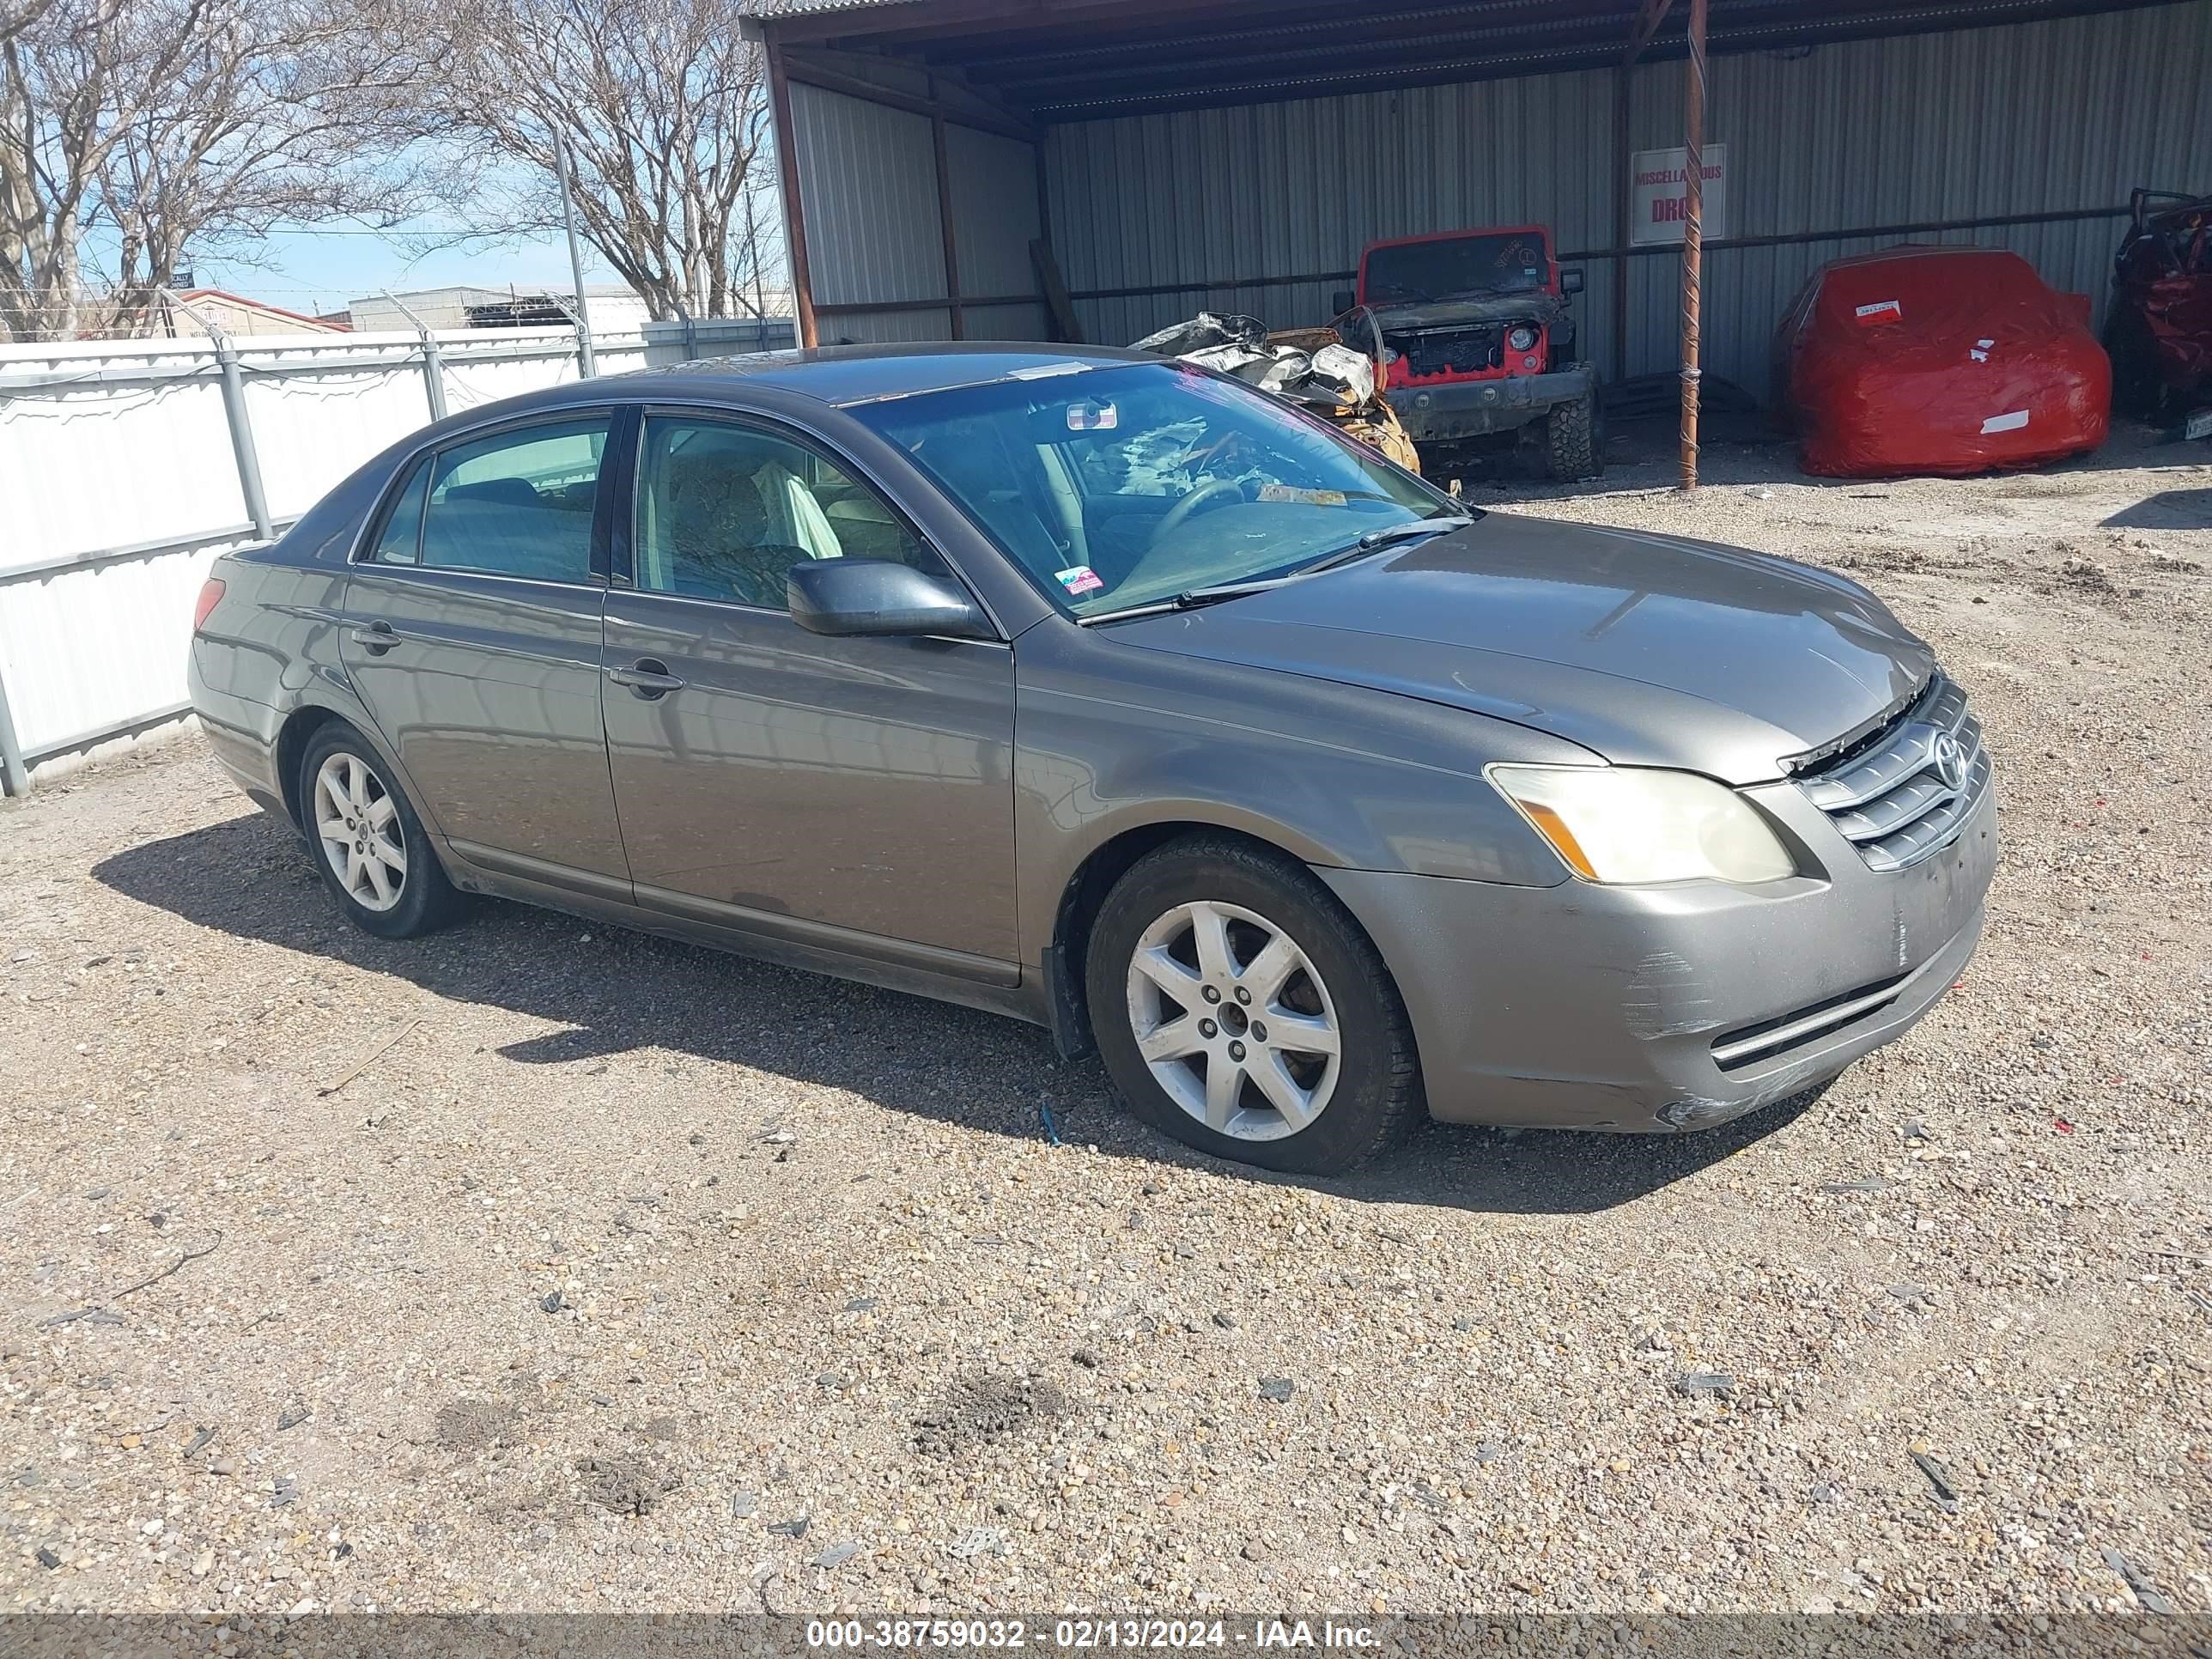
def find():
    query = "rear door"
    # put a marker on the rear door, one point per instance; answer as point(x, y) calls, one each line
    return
point(850, 794)
point(473, 635)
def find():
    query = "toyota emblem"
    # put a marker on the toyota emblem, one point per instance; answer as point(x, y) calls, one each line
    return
point(1950, 760)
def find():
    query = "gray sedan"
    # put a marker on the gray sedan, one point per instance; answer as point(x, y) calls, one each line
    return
point(1117, 696)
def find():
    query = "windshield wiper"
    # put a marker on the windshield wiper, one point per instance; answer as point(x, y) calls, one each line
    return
point(1189, 601)
point(1375, 540)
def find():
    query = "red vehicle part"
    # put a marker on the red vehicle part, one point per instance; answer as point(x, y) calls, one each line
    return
point(1939, 360)
point(2160, 331)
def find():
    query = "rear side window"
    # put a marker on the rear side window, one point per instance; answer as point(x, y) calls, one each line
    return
point(518, 504)
point(403, 530)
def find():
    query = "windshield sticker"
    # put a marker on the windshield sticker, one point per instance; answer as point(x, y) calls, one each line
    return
point(1281, 492)
point(1092, 417)
point(1045, 371)
point(1881, 311)
point(1078, 579)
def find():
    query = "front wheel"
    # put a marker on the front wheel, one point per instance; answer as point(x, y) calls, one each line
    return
point(1240, 1008)
point(1574, 439)
point(368, 844)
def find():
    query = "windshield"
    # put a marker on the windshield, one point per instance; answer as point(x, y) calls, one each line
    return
point(1114, 487)
point(1452, 267)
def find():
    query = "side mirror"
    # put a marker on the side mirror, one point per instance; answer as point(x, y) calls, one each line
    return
point(1571, 282)
point(853, 597)
point(1343, 300)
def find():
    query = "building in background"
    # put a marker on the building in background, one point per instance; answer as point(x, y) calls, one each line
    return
point(234, 314)
point(609, 309)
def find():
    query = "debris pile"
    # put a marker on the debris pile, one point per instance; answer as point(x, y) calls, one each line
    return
point(1312, 366)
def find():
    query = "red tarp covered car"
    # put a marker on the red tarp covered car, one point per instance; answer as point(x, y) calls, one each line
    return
point(1946, 360)
point(2160, 331)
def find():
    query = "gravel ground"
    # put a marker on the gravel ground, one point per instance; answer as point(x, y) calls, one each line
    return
point(542, 1265)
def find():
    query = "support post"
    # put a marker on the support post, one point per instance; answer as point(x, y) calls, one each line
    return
point(794, 215)
point(585, 361)
point(1694, 158)
point(15, 777)
point(434, 360)
point(241, 438)
point(234, 417)
point(944, 224)
point(1623, 81)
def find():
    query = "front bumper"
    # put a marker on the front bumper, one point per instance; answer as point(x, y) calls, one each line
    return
point(1660, 1009)
point(1471, 409)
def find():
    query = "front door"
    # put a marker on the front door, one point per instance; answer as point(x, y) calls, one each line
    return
point(472, 633)
point(849, 794)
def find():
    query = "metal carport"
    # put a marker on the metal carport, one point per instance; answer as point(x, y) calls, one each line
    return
point(1238, 154)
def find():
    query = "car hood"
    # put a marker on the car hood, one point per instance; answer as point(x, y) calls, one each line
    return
point(1648, 650)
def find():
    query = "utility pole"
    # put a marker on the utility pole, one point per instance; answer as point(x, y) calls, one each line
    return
point(583, 357)
point(1693, 238)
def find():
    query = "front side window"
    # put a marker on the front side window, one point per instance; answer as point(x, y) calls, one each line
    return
point(516, 504)
point(725, 511)
point(1121, 486)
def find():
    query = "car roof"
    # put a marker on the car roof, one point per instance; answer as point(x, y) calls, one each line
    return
point(841, 376)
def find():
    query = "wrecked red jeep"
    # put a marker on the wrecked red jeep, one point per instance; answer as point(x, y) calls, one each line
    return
point(1480, 340)
point(2159, 332)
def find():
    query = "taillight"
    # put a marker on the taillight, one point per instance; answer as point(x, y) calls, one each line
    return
point(211, 596)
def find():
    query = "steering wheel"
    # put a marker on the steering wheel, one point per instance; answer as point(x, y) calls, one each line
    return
point(1179, 514)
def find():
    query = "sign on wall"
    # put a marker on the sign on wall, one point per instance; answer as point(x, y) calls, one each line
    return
point(1660, 193)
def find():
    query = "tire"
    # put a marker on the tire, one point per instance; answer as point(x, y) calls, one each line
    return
point(344, 784)
point(1342, 1109)
point(1573, 439)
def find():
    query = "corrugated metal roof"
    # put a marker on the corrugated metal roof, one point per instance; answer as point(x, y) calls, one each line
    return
point(1079, 59)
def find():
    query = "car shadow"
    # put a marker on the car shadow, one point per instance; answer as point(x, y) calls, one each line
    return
point(624, 992)
point(2169, 509)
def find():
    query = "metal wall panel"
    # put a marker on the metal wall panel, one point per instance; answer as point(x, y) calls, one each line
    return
point(2027, 119)
point(877, 327)
point(993, 186)
point(2019, 119)
point(867, 180)
point(1300, 187)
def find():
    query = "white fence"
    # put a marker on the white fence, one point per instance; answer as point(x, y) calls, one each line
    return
point(126, 467)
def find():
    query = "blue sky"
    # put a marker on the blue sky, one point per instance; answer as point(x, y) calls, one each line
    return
point(319, 269)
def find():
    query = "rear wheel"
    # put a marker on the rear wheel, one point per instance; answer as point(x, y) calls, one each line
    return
point(368, 844)
point(1574, 439)
point(1239, 1008)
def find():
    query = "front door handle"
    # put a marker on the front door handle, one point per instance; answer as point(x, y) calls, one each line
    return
point(376, 639)
point(647, 676)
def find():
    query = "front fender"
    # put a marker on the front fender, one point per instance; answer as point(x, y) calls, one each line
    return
point(1113, 739)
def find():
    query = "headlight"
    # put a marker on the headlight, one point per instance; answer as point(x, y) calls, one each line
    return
point(1619, 823)
point(1521, 337)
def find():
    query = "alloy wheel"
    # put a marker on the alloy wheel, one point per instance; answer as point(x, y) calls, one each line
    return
point(357, 827)
point(1234, 1021)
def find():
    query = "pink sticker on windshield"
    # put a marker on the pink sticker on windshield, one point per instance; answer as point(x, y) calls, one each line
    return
point(1078, 579)
point(1092, 417)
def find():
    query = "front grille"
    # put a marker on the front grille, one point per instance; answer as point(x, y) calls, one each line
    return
point(1890, 794)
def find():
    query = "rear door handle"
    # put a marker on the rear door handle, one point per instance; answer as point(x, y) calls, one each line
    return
point(647, 677)
point(377, 638)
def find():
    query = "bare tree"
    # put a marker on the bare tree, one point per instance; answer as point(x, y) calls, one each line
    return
point(663, 108)
point(133, 130)
point(16, 15)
